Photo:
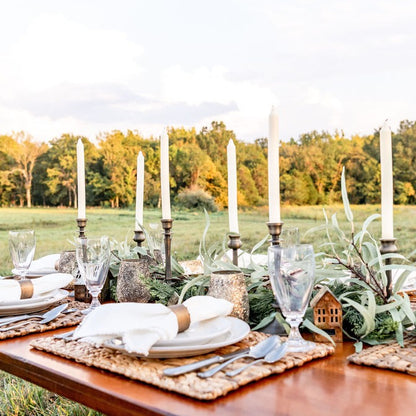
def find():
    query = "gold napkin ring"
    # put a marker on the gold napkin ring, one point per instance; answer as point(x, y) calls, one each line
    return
point(182, 315)
point(26, 289)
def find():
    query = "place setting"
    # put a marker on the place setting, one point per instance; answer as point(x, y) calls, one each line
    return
point(35, 304)
point(198, 348)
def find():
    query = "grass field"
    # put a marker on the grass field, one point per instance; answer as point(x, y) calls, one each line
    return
point(55, 228)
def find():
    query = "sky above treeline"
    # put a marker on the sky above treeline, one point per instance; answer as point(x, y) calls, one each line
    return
point(91, 66)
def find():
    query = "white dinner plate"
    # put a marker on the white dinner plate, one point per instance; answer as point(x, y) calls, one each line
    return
point(238, 330)
point(29, 301)
point(199, 333)
point(18, 308)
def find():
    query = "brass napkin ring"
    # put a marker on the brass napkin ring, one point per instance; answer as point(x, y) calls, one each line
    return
point(182, 315)
point(26, 289)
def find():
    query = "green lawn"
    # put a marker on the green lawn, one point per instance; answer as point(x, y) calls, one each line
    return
point(56, 227)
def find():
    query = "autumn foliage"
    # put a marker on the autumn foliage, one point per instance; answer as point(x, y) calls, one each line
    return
point(33, 173)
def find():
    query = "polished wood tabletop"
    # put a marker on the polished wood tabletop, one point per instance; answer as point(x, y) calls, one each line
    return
point(329, 386)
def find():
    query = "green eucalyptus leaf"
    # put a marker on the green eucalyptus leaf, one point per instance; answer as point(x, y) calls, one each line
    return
point(265, 321)
point(366, 224)
point(259, 244)
point(358, 346)
point(258, 274)
point(400, 281)
point(345, 201)
point(368, 324)
point(358, 282)
point(384, 257)
point(313, 328)
point(406, 307)
point(337, 228)
point(196, 281)
point(282, 321)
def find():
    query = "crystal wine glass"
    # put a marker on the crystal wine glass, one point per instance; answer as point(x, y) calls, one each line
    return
point(93, 258)
point(289, 236)
point(291, 271)
point(22, 244)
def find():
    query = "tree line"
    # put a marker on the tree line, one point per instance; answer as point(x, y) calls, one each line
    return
point(44, 174)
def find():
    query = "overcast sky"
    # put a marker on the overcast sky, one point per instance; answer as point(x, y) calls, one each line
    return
point(86, 66)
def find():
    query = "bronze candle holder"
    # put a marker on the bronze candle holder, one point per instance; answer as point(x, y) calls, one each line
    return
point(275, 229)
point(234, 243)
point(388, 245)
point(82, 223)
point(139, 237)
point(167, 227)
point(80, 290)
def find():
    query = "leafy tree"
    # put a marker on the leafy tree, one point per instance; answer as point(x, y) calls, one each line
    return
point(24, 152)
point(60, 167)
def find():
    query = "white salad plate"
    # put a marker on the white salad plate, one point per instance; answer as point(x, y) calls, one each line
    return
point(32, 304)
point(237, 331)
point(199, 333)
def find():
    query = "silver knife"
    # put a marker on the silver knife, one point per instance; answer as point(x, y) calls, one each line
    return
point(47, 317)
point(176, 371)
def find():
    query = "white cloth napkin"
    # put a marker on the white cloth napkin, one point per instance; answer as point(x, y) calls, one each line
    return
point(10, 289)
point(42, 265)
point(141, 325)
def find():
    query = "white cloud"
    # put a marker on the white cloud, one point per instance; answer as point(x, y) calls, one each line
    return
point(215, 85)
point(54, 50)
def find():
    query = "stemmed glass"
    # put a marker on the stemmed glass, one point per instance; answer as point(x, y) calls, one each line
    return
point(22, 244)
point(289, 236)
point(93, 258)
point(291, 271)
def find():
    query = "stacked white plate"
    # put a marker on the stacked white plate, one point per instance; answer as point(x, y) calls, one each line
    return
point(34, 304)
point(200, 338)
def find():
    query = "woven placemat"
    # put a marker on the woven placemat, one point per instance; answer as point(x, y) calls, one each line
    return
point(389, 356)
point(63, 320)
point(151, 370)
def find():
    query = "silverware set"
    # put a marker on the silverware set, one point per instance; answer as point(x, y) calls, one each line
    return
point(44, 318)
point(270, 350)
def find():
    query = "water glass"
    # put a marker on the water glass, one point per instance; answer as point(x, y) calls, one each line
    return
point(289, 236)
point(22, 244)
point(93, 258)
point(291, 271)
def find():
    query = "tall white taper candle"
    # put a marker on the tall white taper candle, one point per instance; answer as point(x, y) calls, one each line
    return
point(273, 167)
point(164, 175)
point(232, 188)
point(139, 191)
point(386, 164)
point(81, 179)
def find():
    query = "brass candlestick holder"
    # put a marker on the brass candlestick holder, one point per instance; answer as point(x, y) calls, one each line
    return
point(167, 227)
point(388, 245)
point(234, 243)
point(82, 223)
point(275, 229)
point(139, 237)
point(80, 290)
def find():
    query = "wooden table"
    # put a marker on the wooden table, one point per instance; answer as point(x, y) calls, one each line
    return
point(328, 386)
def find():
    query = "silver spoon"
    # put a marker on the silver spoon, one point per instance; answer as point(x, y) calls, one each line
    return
point(257, 351)
point(272, 357)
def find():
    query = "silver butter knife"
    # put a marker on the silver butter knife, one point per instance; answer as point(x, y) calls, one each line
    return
point(46, 317)
point(176, 371)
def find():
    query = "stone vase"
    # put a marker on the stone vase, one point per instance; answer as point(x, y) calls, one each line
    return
point(67, 263)
point(130, 287)
point(230, 285)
